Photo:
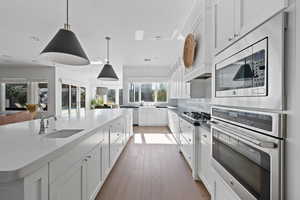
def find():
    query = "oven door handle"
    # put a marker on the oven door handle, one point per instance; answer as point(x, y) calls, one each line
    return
point(239, 136)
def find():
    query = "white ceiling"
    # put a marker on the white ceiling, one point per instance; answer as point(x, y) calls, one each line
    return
point(27, 26)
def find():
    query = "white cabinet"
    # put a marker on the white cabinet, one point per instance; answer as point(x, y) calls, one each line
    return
point(173, 123)
point(248, 20)
point(152, 116)
point(200, 25)
point(81, 181)
point(224, 22)
point(93, 172)
point(187, 142)
point(72, 184)
point(234, 18)
point(79, 172)
point(36, 185)
point(205, 170)
point(178, 87)
point(105, 153)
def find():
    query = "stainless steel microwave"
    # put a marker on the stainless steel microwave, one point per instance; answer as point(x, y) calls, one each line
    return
point(250, 73)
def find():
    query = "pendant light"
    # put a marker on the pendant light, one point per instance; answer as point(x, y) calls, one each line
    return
point(108, 73)
point(65, 48)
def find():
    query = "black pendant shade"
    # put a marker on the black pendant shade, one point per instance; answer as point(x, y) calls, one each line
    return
point(65, 48)
point(108, 73)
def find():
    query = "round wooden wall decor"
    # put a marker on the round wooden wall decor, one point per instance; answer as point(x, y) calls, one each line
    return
point(189, 50)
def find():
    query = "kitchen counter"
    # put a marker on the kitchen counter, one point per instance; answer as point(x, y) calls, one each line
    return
point(23, 150)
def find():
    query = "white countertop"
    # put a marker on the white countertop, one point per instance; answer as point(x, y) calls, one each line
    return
point(23, 150)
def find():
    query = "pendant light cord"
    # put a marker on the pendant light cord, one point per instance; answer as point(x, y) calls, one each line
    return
point(107, 38)
point(67, 25)
point(68, 12)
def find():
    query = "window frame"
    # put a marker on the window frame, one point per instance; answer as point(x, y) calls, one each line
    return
point(140, 91)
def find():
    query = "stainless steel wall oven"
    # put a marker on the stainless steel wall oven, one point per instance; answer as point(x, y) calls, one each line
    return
point(248, 151)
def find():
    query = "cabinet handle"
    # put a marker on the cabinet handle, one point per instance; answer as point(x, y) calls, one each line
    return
point(205, 136)
point(85, 160)
point(230, 39)
point(89, 157)
point(236, 35)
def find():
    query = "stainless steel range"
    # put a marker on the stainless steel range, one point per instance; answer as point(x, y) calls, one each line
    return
point(248, 151)
point(197, 117)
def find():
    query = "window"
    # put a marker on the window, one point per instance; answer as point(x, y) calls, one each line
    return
point(148, 92)
point(43, 95)
point(111, 96)
point(161, 92)
point(131, 92)
point(65, 96)
point(73, 97)
point(137, 93)
point(16, 96)
point(121, 96)
point(82, 97)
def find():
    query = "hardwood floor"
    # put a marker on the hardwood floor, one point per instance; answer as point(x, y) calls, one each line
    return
point(150, 168)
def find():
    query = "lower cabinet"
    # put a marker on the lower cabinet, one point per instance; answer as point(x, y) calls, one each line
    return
point(78, 173)
point(204, 159)
point(105, 153)
point(93, 171)
point(72, 185)
point(84, 179)
point(151, 116)
point(173, 123)
point(35, 186)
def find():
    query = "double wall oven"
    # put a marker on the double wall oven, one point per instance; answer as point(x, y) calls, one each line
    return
point(247, 151)
point(250, 73)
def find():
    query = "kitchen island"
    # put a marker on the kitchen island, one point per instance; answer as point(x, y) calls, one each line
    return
point(40, 167)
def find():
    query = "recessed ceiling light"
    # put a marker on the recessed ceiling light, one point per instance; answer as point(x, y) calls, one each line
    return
point(147, 59)
point(139, 35)
point(34, 38)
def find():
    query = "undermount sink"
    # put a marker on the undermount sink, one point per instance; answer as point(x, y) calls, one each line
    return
point(64, 133)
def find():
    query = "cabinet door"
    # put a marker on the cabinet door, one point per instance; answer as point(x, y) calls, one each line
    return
point(105, 153)
point(93, 172)
point(72, 185)
point(204, 160)
point(224, 23)
point(248, 20)
point(36, 185)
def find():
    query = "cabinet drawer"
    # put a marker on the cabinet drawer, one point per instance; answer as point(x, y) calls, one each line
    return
point(61, 164)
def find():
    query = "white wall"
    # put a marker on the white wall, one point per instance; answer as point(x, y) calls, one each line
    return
point(293, 103)
point(33, 72)
point(143, 74)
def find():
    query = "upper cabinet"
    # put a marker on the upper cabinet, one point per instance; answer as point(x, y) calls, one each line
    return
point(233, 19)
point(224, 22)
point(178, 87)
point(200, 25)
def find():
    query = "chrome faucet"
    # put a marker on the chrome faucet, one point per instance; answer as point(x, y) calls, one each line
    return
point(43, 118)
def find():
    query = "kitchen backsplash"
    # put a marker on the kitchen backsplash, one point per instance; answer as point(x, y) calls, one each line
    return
point(195, 105)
